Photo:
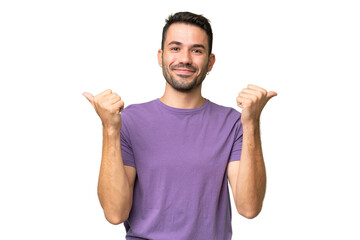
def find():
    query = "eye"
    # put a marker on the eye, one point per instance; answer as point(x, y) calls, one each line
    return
point(197, 51)
point(175, 49)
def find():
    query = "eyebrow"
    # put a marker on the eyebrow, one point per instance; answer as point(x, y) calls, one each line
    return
point(179, 43)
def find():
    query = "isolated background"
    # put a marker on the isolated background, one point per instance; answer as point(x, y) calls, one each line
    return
point(52, 51)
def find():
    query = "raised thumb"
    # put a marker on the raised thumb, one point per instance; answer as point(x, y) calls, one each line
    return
point(89, 97)
point(270, 94)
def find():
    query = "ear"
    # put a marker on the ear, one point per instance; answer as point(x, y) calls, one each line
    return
point(159, 56)
point(211, 62)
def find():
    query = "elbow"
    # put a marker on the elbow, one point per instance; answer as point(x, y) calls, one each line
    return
point(115, 218)
point(250, 213)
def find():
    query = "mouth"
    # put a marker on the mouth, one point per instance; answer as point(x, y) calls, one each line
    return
point(183, 71)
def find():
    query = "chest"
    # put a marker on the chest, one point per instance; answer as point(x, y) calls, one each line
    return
point(189, 146)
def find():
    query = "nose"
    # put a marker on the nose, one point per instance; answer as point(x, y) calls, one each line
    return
point(185, 57)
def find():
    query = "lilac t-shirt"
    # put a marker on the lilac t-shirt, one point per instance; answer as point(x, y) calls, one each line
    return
point(181, 156)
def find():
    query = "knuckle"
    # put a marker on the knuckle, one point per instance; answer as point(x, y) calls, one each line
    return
point(112, 110)
point(115, 95)
point(259, 95)
point(102, 105)
point(101, 101)
point(246, 100)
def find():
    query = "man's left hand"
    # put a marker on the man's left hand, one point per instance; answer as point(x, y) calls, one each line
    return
point(252, 100)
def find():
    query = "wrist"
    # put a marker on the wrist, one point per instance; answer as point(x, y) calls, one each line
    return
point(111, 130)
point(251, 135)
point(251, 125)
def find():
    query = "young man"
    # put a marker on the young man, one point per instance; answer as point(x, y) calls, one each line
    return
point(166, 163)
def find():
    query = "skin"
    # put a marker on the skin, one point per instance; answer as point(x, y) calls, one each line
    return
point(116, 181)
point(185, 61)
point(247, 177)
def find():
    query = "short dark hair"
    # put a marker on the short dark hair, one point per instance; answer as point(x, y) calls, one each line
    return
point(192, 19)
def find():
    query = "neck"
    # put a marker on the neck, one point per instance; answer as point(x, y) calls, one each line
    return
point(185, 100)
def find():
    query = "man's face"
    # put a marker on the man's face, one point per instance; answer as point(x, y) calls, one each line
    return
point(185, 59)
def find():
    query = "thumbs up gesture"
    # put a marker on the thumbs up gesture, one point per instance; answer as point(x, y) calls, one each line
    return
point(108, 106)
point(252, 100)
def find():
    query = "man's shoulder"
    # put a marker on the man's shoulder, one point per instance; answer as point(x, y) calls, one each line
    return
point(138, 111)
point(135, 107)
point(224, 110)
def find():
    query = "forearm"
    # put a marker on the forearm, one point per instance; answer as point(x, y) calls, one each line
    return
point(114, 190)
point(251, 180)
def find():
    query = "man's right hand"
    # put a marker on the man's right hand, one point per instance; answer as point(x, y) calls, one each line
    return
point(108, 106)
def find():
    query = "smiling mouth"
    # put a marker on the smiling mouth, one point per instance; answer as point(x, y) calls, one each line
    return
point(183, 71)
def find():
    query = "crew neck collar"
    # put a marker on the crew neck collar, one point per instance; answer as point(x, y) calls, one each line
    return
point(181, 110)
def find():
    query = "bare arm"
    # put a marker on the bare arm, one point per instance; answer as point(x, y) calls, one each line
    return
point(114, 189)
point(116, 181)
point(251, 177)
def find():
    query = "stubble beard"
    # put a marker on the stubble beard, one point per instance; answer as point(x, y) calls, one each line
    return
point(182, 85)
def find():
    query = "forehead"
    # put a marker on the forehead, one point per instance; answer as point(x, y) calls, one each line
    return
point(186, 34)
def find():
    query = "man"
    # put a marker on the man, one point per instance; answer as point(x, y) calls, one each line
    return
point(166, 162)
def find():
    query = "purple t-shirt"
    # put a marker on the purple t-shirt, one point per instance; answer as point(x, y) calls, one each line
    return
point(181, 156)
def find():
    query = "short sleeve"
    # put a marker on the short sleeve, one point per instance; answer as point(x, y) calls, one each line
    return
point(237, 144)
point(126, 149)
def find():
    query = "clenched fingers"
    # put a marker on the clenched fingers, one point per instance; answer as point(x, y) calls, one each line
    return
point(256, 88)
point(252, 100)
point(110, 98)
point(117, 107)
